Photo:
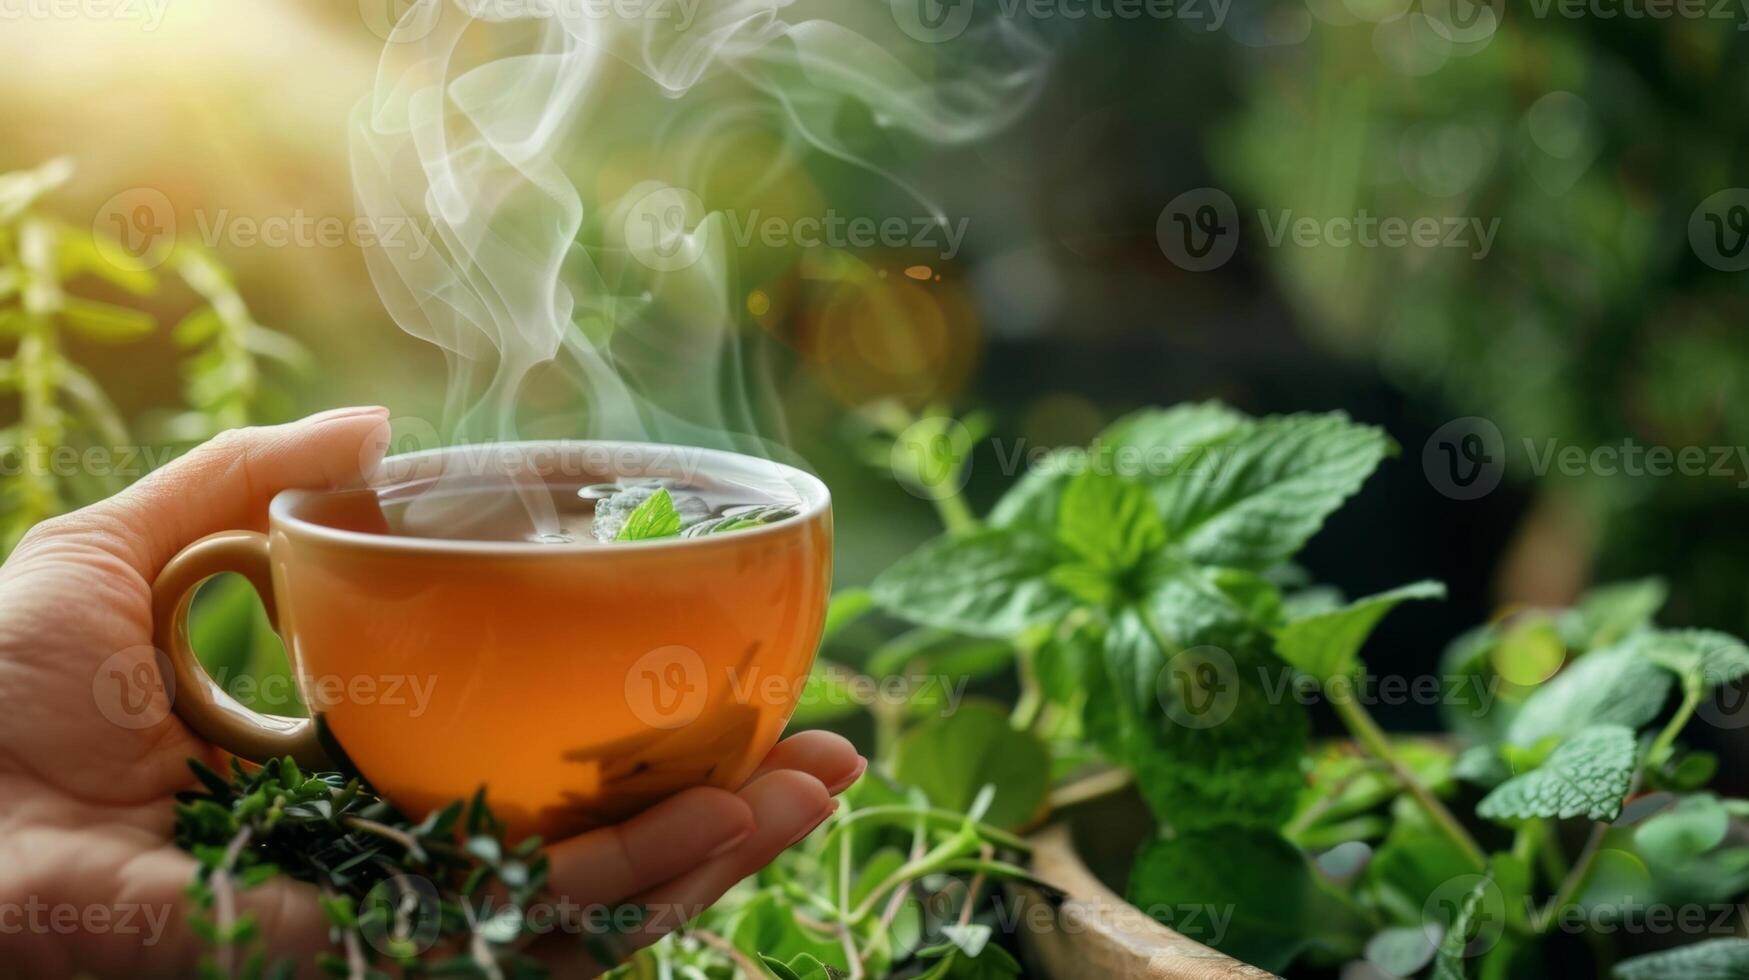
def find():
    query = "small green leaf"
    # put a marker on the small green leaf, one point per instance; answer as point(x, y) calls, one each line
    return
point(951, 759)
point(1400, 951)
point(1262, 880)
point(103, 321)
point(1712, 959)
point(1587, 776)
point(654, 518)
point(847, 606)
point(1617, 686)
point(197, 328)
point(1691, 828)
point(1613, 612)
point(1704, 659)
point(1450, 960)
point(1328, 644)
point(1108, 523)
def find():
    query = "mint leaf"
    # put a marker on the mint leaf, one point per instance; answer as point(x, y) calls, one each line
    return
point(1449, 959)
point(1261, 879)
point(1704, 659)
point(1108, 523)
point(951, 759)
point(1212, 733)
point(993, 582)
point(1616, 686)
point(1400, 951)
point(1587, 776)
point(1031, 504)
point(767, 928)
point(1164, 443)
point(1691, 828)
point(1327, 645)
point(1259, 491)
point(654, 518)
point(1613, 612)
point(991, 962)
point(1714, 959)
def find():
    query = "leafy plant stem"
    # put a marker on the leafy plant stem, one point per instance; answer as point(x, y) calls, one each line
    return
point(1361, 725)
point(956, 515)
point(1581, 871)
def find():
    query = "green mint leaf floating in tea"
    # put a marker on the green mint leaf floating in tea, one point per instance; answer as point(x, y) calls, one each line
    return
point(1712, 959)
point(1587, 776)
point(1327, 645)
point(654, 518)
point(1615, 686)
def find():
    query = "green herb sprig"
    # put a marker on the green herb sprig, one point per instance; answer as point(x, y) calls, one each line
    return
point(439, 897)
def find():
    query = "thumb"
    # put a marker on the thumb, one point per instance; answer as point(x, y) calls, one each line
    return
point(227, 482)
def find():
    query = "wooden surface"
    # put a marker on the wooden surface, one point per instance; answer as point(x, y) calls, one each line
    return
point(1095, 934)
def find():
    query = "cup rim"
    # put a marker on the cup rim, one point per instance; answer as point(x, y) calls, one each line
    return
point(816, 499)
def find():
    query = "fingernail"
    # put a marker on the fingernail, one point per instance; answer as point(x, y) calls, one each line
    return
point(352, 411)
point(845, 781)
point(831, 808)
point(730, 844)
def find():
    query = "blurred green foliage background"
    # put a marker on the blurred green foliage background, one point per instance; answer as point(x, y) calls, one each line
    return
point(1593, 319)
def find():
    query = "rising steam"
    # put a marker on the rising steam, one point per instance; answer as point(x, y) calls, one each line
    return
point(559, 154)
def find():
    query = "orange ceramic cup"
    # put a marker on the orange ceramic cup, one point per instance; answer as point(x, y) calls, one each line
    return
point(578, 682)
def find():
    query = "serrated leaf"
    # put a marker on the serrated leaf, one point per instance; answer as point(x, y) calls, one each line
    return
point(1610, 613)
point(654, 518)
point(994, 583)
point(1587, 776)
point(1108, 523)
point(1704, 659)
point(1712, 959)
point(1616, 686)
point(1261, 879)
point(1327, 645)
point(1255, 494)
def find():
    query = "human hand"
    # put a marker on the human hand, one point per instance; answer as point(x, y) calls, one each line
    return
point(89, 879)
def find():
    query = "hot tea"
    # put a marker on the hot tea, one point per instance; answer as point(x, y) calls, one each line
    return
point(592, 629)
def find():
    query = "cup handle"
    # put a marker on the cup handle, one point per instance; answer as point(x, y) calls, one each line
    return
point(198, 700)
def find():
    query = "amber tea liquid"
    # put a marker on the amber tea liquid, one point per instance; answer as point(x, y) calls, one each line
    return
point(463, 627)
